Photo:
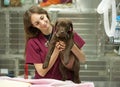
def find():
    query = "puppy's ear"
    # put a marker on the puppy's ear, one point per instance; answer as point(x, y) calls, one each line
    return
point(56, 24)
point(71, 26)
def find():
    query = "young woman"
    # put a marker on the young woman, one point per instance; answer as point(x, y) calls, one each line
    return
point(38, 30)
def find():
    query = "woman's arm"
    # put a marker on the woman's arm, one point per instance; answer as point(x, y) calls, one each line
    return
point(42, 72)
point(79, 53)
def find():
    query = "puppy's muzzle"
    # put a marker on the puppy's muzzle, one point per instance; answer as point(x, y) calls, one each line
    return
point(62, 34)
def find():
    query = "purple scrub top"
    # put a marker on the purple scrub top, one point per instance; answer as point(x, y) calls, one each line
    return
point(36, 52)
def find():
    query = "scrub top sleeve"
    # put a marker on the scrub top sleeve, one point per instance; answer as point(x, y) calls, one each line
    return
point(78, 40)
point(32, 52)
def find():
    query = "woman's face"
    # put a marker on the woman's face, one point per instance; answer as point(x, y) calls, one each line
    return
point(41, 22)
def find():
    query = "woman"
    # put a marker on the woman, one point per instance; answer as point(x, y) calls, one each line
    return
point(38, 30)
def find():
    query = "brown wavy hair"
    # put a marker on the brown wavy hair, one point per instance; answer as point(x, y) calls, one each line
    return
point(31, 31)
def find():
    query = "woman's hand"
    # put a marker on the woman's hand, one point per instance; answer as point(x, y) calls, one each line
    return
point(60, 45)
point(79, 53)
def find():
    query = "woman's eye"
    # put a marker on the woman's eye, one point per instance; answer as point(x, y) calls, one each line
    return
point(42, 17)
point(37, 23)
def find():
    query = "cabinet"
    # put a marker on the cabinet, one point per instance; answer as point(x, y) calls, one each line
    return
point(12, 39)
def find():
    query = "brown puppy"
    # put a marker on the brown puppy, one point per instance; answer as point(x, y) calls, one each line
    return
point(64, 32)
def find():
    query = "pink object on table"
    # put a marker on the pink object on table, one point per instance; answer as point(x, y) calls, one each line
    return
point(49, 82)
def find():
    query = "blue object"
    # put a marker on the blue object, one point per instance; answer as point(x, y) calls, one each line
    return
point(22, 1)
point(6, 2)
point(117, 31)
point(118, 18)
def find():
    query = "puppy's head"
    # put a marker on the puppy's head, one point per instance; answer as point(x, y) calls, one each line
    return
point(63, 28)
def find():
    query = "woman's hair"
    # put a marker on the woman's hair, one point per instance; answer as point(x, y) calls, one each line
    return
point(31, 31)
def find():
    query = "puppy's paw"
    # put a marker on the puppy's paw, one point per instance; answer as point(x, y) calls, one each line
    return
point(45, 65)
